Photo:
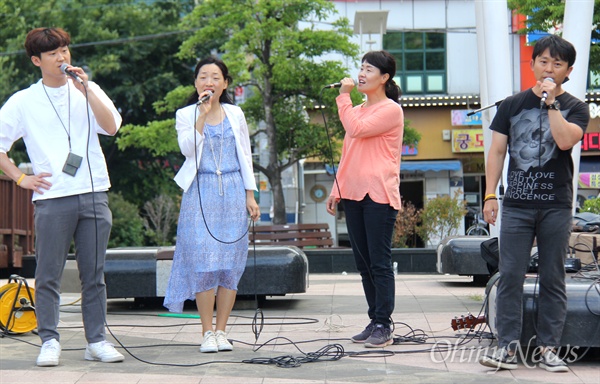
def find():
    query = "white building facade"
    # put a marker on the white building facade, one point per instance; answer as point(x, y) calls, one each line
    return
point(435, 45)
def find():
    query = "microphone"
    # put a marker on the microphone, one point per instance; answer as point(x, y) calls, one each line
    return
point(63, 69)
point(337, 85)
point(545, 94)
point(205, 98)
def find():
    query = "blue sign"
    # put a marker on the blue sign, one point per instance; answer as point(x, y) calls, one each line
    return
point(407, 150)
point(460, 117)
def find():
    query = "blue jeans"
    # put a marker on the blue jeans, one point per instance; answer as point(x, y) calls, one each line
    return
point(370, 227)
point(551, 228)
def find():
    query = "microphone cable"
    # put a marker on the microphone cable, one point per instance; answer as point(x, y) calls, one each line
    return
point(258, 315)
point(335, 181)
point(102, 308)
point(331, 352)
point(541, 134)
point(198, 188)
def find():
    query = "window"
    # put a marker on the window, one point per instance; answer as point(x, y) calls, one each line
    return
point(420, 60)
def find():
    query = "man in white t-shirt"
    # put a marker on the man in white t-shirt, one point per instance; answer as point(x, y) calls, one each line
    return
point(59, 119)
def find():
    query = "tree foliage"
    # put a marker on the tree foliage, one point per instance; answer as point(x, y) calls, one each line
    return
point(547, 15)
point(441, 217)
point(142, 53)
point(591, 205)
point(265, 46)
point(129, 48)
point(127, 224)
point(405, 227)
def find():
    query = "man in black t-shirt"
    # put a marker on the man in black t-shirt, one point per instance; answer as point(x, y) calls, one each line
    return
point(539, 127)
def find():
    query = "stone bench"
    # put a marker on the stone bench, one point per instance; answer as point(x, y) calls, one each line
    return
point(143, 272)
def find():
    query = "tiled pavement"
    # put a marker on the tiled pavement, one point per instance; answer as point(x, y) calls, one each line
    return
point(164, 349)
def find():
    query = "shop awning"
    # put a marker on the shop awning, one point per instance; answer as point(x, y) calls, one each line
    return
point(436, 166)
point(330, 170)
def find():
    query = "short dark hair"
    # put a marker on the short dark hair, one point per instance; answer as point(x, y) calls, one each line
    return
point(559, 48)
point(42, 40)
point(386, 63)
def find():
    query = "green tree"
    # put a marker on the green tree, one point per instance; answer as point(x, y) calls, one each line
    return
point(547, 14)
point(128, 46)
point(591, 205)
point(128, 226)
point(441, 217)
point(265, 46)
point(411, 136)
point(130, 49)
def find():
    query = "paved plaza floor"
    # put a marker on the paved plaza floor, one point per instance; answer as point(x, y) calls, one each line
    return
point(300, 338)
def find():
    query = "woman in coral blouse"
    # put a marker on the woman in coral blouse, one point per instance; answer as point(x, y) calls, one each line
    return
point(368, 186)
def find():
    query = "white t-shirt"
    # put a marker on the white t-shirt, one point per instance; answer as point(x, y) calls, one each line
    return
point(46, 118)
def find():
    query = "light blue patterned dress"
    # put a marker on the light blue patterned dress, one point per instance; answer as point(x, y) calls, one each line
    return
point(200, 262)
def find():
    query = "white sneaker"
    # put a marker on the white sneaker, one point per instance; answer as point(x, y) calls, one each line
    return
point(103, 351)
point(49, 354)
point(209, 344)
point(222, 343)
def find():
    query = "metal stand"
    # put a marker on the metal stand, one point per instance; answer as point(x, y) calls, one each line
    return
point(497, 103)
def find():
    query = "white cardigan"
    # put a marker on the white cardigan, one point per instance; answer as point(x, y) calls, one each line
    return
point(185, 125)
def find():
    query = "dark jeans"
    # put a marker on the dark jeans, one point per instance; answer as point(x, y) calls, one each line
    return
point(370, 226)
point(551, 228)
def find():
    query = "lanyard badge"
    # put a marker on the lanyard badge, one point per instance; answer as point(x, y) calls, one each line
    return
point(72, 164)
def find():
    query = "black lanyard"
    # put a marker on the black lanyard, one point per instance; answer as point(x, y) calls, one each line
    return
point(67, 131)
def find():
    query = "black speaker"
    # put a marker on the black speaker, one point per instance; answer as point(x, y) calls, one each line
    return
point(582, 325)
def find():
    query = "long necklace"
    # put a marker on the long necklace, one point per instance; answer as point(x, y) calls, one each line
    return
point(67, 131)
point(212, 150)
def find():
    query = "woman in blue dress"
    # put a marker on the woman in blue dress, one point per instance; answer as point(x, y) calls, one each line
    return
point(218, 184)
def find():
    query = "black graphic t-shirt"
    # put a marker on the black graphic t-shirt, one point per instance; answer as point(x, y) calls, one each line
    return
point(540, 175)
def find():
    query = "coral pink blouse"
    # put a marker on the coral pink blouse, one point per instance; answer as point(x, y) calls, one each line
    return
point(370, 162)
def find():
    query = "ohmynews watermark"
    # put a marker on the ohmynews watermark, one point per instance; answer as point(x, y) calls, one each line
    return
point(445, 351)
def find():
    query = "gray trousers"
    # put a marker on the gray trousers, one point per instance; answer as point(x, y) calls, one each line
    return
point(551, 228)
point(87, 219)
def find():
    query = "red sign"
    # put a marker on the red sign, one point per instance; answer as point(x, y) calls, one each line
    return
point(239, 91)
point(590, 142)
